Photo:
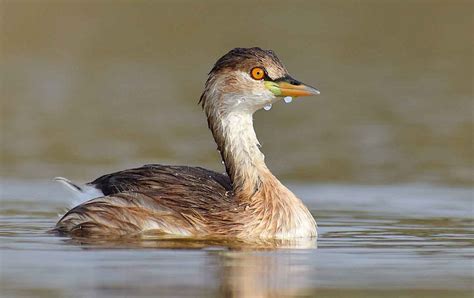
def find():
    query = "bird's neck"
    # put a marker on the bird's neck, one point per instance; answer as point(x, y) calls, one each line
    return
point(272, 209)
point(238, 145)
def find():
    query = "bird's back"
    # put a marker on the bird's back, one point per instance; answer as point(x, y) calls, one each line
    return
point(177, 200)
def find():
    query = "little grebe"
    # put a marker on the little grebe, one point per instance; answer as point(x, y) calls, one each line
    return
point(247, 202)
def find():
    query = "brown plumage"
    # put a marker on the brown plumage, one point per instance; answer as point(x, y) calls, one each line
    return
point(248, 203)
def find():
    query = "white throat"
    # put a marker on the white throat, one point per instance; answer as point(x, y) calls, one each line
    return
point(230, 120)
point(241, 148)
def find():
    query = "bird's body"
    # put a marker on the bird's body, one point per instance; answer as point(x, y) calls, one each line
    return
point(182, 201)
point(247, 202)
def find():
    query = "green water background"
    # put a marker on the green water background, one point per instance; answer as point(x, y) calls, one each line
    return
point(94, 86)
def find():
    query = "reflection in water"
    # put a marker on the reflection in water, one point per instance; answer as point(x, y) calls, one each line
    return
point(262, 275)
point(162, 241)
point(243, 268)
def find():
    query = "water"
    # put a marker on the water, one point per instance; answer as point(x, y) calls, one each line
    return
point(268, 107)
point(91, 87)
point(398, 240)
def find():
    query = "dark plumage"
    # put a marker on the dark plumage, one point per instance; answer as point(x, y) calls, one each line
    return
point(149, 195)
point(155, 176)
point(239, 58)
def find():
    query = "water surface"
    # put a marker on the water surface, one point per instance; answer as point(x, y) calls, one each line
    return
point(399, 240)
point(91, 87)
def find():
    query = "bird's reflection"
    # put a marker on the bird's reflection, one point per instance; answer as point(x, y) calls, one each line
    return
point(163, 241)
point(265, 268)
point(246, 274)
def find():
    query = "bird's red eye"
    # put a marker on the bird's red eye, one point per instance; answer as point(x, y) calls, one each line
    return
point(257, 73)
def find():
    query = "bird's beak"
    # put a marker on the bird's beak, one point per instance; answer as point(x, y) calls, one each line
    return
point(287, 86)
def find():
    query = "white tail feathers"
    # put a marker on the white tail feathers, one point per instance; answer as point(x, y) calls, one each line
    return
point(81, 192)
point(68, 183)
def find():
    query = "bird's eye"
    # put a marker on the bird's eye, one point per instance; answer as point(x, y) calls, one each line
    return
point(257, 73)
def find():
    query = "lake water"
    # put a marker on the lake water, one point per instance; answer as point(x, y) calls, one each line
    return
point(392, 241)
point(383, 157)
point(95, 87)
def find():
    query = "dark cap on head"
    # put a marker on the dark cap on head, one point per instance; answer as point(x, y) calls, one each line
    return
point(246, 58)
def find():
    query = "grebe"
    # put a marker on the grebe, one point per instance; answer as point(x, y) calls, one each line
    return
point(247, 203)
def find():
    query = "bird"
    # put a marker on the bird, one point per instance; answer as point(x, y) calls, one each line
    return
point(247, 202)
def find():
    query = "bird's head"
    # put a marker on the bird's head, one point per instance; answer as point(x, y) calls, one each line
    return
point(248, 79)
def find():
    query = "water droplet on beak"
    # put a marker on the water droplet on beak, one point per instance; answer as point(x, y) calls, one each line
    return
point(267, 107)
point(288, 99)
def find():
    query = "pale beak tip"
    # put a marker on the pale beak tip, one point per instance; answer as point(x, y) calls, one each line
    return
point(314, 91)
point(311, 90)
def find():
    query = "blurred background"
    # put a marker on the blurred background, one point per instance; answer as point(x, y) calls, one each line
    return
point(90, 87)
